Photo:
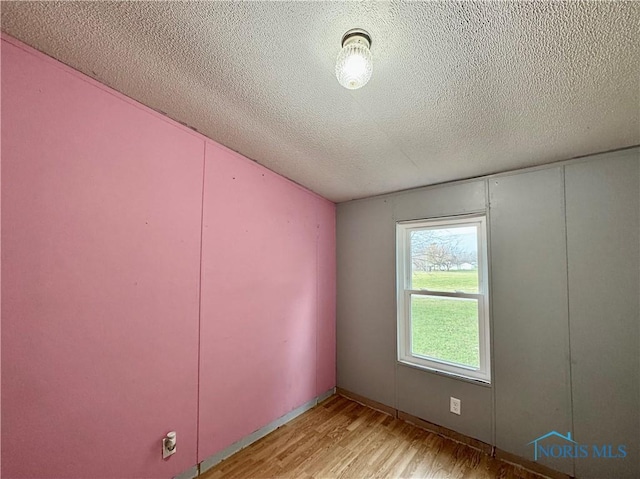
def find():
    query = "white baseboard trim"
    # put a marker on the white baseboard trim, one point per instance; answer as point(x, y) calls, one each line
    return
point(260, 433)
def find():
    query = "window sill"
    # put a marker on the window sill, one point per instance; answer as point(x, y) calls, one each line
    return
point(460, 377)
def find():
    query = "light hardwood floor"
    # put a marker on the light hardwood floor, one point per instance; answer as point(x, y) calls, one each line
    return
point(343, 439)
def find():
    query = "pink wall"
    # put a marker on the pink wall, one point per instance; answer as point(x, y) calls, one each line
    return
point(259, 299)
point(101, 240)
point(326, 349)
point(100, 255)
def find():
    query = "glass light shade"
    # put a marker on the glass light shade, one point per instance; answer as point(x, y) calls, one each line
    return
point(354, 65)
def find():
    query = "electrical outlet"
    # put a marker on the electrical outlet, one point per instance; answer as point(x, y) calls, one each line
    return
point(454, 406)
point(169, 445)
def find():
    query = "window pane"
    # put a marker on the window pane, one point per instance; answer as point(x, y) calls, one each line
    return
point(445, 329)
point(445, 259)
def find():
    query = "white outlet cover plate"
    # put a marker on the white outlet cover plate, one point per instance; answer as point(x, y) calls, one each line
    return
point(455, 406)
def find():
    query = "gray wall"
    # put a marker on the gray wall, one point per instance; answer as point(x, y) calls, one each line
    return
point(530, 314)
point(602, 239)
point(565, 291)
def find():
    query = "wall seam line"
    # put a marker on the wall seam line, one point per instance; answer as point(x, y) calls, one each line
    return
point(487, 206)
point(394, 218)
point(204, 163)
point(317, 291)
point(566, 249)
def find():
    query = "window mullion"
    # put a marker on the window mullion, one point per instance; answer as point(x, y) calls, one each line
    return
point(448, 294)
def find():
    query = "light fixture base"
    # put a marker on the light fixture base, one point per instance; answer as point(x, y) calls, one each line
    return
point(356, 35)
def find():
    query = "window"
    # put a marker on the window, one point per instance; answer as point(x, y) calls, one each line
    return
point(443, 302)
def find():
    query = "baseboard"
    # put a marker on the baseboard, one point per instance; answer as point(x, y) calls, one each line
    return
point(325, 395)
point(260, 433)
point(530, 465)
point(191, 473)
point(378, 406)
point(455, 436)
point(448, 433)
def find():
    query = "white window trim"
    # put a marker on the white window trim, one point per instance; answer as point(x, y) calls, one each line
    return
point(403, 278)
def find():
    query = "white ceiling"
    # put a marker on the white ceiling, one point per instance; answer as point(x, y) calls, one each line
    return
point(459, 89)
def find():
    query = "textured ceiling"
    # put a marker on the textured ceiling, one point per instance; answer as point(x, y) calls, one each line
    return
point(459, 89)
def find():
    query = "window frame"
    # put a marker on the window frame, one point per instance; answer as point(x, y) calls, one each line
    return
point(403, 280)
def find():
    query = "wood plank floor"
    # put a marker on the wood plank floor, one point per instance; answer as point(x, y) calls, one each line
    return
point(343, 439)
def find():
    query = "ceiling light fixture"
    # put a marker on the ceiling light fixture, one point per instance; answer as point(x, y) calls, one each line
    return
point(354, 65)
